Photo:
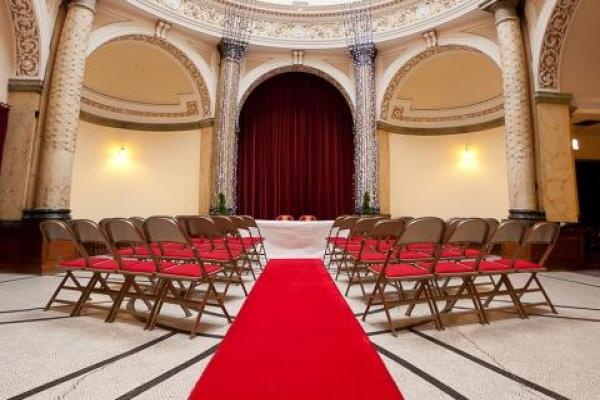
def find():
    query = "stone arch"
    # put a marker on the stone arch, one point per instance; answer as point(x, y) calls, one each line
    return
point(402, 66)
point(551, 46)
point(196, 68)
point(295, 68)
point(27, 35)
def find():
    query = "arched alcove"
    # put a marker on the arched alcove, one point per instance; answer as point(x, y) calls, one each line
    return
point(295, 149)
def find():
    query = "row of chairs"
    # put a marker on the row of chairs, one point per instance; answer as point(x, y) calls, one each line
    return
point(161, 260)
point(432, 252)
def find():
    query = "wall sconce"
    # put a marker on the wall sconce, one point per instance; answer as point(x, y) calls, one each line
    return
point(575, 144)
point(120, 159)
point(468, 161)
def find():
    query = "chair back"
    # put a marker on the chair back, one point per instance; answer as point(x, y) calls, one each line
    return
point(122, 231)
point(139, 222)
point(450, 225)
point(364, 226)
point(469, 231)
point(164, 230)
point(307, 218)
point(89, 233)
point(284, 217)
point(338, 220)
point(386, 229)
point(59, 231)
point(510, 234)
point(423, 230)
point(224, 225)
point(204, 227)
point(542, 234)
point(493, 224)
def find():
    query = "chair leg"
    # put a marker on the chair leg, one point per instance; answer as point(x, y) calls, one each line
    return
point(475, 300)
point(429, 292)
point(114, 310)
point(513, 296)
point(211, 287)
point(450, 303)
point(370, 301)
point(58, 289)
point(161, 289)
point(550, 304)
point(85, 295)
point(417, 290)
point(527, 284)
point(493, 293)
point(139, 290)
point(386, 309)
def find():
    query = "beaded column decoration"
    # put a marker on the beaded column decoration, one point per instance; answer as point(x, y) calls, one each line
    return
point(359, 35)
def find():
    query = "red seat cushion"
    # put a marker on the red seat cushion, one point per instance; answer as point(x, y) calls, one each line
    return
point(520, 263)
point(473, 253)
point(488, 266)
point(450, 252)
point(80, 262)
point(177, 252)
point(221, 255)
point(413, 255)
point(146, 267)
point(420, 246)
point(191, 270)
point(370, 256)
point(448, 267)
point(399, 270)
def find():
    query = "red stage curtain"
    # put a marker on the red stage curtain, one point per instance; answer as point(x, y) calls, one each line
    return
point(3, 124)
point(295, 149)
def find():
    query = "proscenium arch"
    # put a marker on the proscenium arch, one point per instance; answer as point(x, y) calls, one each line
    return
point(448, 42)
point(296, 68)
point(191, 62)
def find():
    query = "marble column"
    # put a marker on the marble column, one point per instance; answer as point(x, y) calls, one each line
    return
point(57, 152)
point(365, 126)
point(224, 159)
point(520, 159)
point(556, 166)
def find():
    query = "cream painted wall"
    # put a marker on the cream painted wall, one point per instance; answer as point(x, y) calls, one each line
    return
point(7, 52)
point(159, 175)
point(430, 175)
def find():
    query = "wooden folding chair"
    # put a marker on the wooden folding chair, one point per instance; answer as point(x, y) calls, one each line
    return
point(228, 229)
point(57, 232)
point(219, 250)
point(403, 264)
point(541, 236)
point(195, 270)
point(332, 236)
point(251, 243)
point(254, 232)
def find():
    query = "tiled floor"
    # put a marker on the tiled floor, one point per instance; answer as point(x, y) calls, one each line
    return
point(48, 355)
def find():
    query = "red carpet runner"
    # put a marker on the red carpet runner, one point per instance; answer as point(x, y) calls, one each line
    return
point(295, 338)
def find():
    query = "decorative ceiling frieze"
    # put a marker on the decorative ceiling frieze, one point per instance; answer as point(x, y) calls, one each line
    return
point(280, 23)
point(27, 37)
point(552, 44)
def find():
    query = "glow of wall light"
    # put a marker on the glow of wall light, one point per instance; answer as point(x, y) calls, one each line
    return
point(575, 144)
point(120, 159)
point(468, 160)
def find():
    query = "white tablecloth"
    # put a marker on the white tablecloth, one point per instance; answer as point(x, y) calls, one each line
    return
point(294, 239)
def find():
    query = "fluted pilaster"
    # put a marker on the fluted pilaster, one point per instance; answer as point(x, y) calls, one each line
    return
point(517, 108)
point(62, 122)
point(225, 143)
point(365, 125)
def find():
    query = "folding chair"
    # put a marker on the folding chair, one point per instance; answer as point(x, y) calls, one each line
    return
point(254, 232)
point(307, 218)
point(195, 270)
point(506, 240)
point(333, 236)
point(542, 234)
point(251, 243)
point(219, 250)
point(230, 233)
point(59, 232)
point(402, 265)
point(284, 217)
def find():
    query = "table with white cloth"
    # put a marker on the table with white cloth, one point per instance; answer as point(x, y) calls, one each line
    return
point(294, 239)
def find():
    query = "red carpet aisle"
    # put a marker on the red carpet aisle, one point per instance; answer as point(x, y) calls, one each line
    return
point(295, 338)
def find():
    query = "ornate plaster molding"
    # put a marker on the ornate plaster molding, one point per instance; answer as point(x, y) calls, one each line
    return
point(283, 25)
point(184, 60)
point(552, 44)
point(408, 66)
point(27, 37)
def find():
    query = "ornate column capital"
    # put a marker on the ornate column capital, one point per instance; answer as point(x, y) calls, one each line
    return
point(552, 97)
point(231, 49)
point(363, 53)
point(89, 4)
point(502, 9)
